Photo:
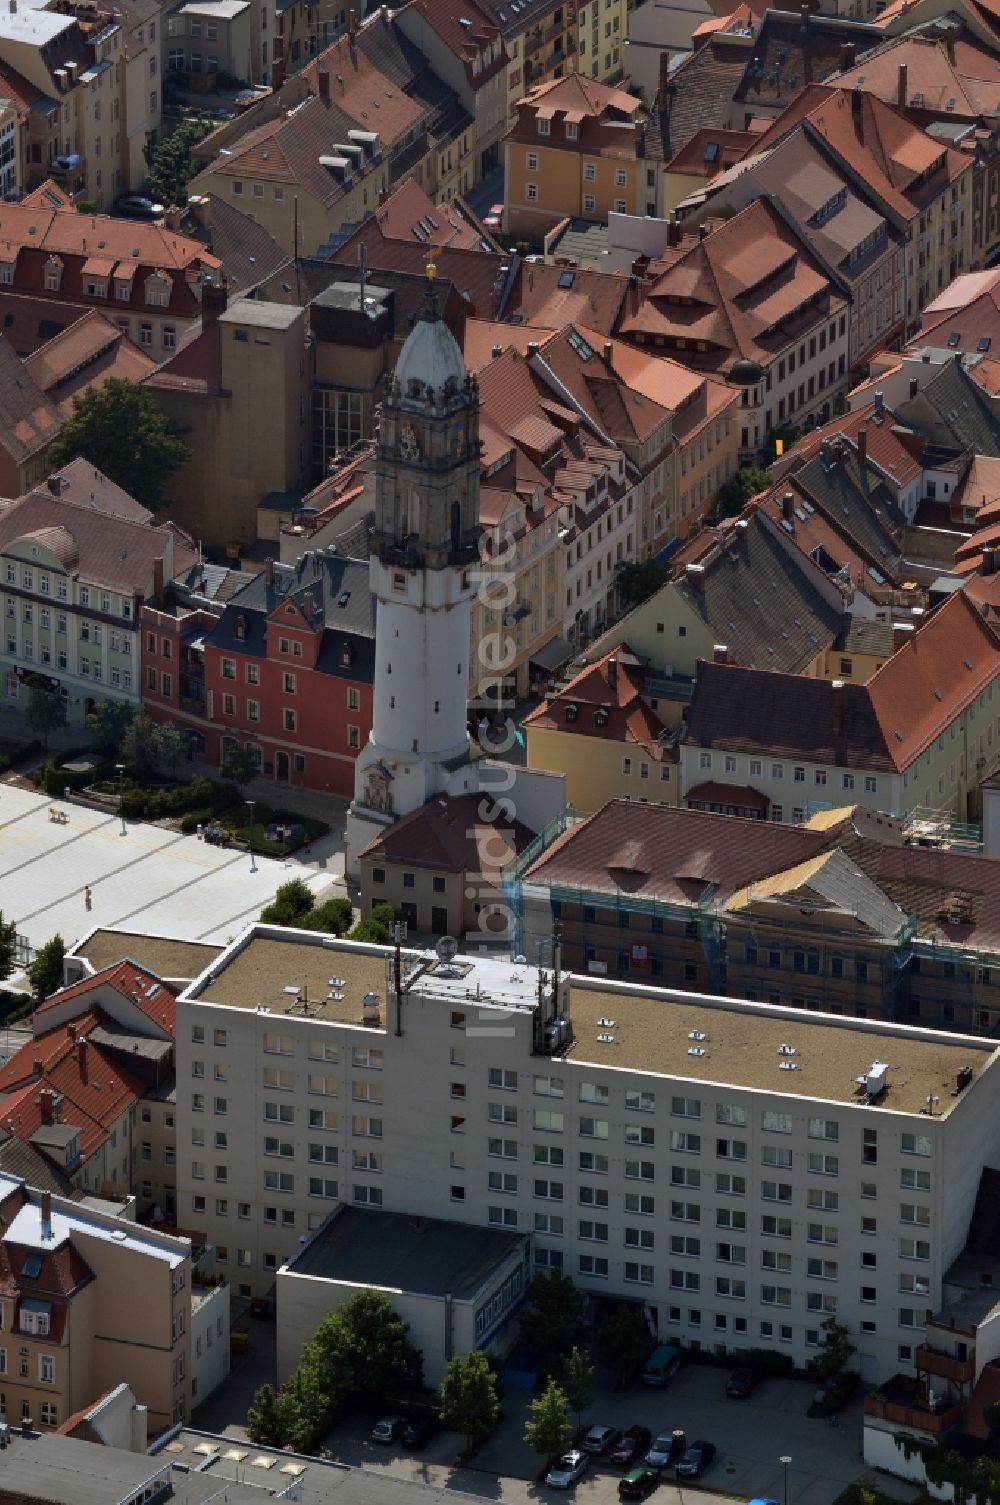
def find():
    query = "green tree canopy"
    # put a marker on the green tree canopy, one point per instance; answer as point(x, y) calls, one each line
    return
point(109, 721)
point(469, 1402)
point(46, 971)
point(171, 747)
point(292, 902)
point(551, 1319)
point(119, 428)
point(578, 1381)
point(171, 166)
point(835, 1351)
point(303, 1408)
point(140, 748)
point(624, 1343)
point(239, 765)
point(737, 491)
point(377, 926)
point(46, 713)
point(264, 1420)
point(547, 1429)
point(8, 947)
point(333, 916)
point(639, 579)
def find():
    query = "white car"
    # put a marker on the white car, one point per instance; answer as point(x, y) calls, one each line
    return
point(570, 1467)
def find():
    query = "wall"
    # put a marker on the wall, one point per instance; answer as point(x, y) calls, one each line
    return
point(595, 768)
point(209, 1340)
point(304, 1300)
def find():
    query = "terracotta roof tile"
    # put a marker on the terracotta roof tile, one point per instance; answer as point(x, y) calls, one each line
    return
point(101, 538)
point(29, 420)
point(604, 701)
point(449, 834)
point(141, 988)
point(556, 296)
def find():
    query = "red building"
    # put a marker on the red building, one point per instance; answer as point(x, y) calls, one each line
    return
point(287, 669)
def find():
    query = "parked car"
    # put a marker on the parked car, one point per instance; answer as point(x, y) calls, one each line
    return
point(600, 1439)
point(666, 1449)
point(138, 206)
point(662, 1364)
point(741, 1383)
point(494, 219)
point(632, 1446)
point(569, 1468)
point(388, 1429)
point(760, 1500)
point(418, 1433)
point(695, 1459)
point(638, 1483)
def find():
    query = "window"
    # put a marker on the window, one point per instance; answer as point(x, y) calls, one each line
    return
point(915, 1144)
point(686, 1107)
point(498, 1077)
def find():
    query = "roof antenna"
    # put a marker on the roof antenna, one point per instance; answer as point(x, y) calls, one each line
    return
point(362, 272)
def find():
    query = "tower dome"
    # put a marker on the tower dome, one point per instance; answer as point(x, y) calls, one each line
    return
point(430, 356)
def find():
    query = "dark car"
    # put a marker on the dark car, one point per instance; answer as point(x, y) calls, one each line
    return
point(741, 1383)
point(600, 1439)
point(388, 1429)
point(633, 1446)
point(665, 1449)
point(695, 1459)
point(138, 206)
point(638, 1483)
point(419, 1432)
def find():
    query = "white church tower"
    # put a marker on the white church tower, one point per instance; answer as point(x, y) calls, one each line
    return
point(422, 570)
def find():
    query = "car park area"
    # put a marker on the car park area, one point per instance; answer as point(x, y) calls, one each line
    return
point(751, 1436)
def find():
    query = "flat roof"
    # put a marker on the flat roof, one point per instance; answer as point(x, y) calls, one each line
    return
point(655, 1031)
point(157, 953)
point(71, 1217)
point(260, 314)
point(66, 1469)
point(429, 1256)
point(291, 973)
point(220, 10)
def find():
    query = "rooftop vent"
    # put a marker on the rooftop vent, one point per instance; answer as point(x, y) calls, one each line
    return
point(606, 1023)
point(788, 1066)
point(605, 1039)
point(787, 1050)
point(697, 1034)
point(696, 1050)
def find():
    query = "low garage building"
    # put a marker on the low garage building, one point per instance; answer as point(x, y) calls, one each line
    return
point(458, 1287)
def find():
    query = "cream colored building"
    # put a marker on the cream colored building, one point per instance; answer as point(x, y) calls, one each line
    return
point(479, 1092)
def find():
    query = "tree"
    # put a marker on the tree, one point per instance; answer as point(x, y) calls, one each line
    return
point(303, 1408)
point(171, 746)
point(109, 721)
point(469, 1402)
point(377, 926)
point(119, 428)
point(171, 167)
point(737, 491)
point(578, 1381)
point(835, 1351)
point(46, 713)
point(46, 971)
point(292, 902)
point(8, 947)
point(551, 1319)
point(547, 1429)
point(637, 580)
point(334, 916)
point(139, 749)
point(624, 1343)
point(239, 765)
point(264, 1419)
point(381, 1355)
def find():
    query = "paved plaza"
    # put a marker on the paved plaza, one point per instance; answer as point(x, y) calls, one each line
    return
point(147, 878)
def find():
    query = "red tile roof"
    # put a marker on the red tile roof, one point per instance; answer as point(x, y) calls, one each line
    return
point(29, 420)
point(410, 215)
point(555, 296)
point(142, 989)
point(450, 834)
point(466, 32)
point(473, 273)
point(604, 701)
point(86, 355)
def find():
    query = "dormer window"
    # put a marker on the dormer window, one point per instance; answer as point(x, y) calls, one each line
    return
point(95, 287)
point(53, 274)
point(7, 273)
point(345, 656)
point(544, 125)
point(123, 289)
point(158, 290)
point(240, 629)
point(572, 130)
point(571, 711)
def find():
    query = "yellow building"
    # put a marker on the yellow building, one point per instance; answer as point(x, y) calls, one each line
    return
point(575, 149)
point(602, 734)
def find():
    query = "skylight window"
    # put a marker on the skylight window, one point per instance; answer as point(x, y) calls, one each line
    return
point(566, 279)
point(32, 1267)
point(579, 344)
point(984, 344)
point(953, 339)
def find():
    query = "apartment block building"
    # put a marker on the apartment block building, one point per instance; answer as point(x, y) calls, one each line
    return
point(90, 1301)
point(78, 556)
point(741, 1171)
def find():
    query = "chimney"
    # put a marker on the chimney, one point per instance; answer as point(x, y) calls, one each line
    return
point(702, 232)
point(200, 209)
point(862, 447)
point(214, 301)
point(533, 348)
point(788, 507)
point(879, 401)
point(71, 1031)
point(902, 633)
point(847, 54)
point(158, 580)
point(55, 485)
point(664, 79)
point(673, 231)
point(269, 571)
point(914, 386)
point(608, 353)
point(323, 77)
point(720, 653)
point(496, 352)
point(351, 26)
point(47, 1107)
point(695, 573)
point(901, 87)
point(856, 100)
point(613, 673)
point(46, 1206)
point(308, 605)
point(278, 64)
point(989, 561)
point(837, 707)
point(38, 1065)
point(81, 1056)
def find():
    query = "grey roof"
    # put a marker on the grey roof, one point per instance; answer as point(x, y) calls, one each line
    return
point(129, 1043)
point(758, 599)
point(430, 355)
point(17, 1158)
point(389, 1249)
point(955, 413)
point(857, 499)
point(57, 1134)
point(67, 1471)
point(700, 93)
point(844, 886)
point(341, 601)
point(247, 252)
point(864, 635)
point(582, 242)
point(260, 314)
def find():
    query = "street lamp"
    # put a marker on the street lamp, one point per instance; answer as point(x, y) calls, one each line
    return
point(253, 862)
point(121, 794)
point(680, 1442)
point(785, 1461)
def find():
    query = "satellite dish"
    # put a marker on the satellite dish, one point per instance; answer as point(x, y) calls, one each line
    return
point(446, 948)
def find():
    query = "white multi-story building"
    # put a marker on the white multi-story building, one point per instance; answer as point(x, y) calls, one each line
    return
point(740, 1170)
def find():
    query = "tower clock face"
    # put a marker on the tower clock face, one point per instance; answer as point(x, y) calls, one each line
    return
point(408, 445)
